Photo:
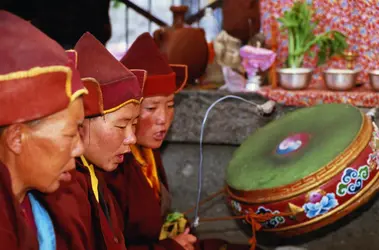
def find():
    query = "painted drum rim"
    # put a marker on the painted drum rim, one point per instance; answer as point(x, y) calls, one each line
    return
point(310, 182)
point(364, 196)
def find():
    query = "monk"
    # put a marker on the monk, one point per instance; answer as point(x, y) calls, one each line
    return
point(140, 185)
point(111, 113)
point(41, 112)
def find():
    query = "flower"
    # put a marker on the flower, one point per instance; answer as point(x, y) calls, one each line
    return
point(326, 203)
point(273, 222)
point(315, 197)
point(236, 206)
point(373, 159)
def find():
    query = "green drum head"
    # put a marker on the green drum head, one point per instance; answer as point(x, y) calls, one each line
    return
point(293, 146)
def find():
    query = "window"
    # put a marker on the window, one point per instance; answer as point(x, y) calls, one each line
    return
point(127, 24)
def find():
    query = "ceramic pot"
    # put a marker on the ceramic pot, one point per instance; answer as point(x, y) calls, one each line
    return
point(183, 45)
point(241, 18)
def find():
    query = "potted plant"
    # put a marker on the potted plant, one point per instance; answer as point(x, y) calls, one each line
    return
point(297, 22)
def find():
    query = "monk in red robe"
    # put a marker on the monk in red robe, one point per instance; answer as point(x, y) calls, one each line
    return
point(140, 184)
point(41, 110)
point(111, 111)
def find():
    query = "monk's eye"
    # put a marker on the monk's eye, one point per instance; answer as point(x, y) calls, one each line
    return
point(150, 108)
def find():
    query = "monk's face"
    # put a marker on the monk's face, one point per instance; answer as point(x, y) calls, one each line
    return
point(108, 138)
point(156, 117)
point(47, 148)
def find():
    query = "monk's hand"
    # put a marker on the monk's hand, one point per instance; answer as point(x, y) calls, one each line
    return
point(186, 240)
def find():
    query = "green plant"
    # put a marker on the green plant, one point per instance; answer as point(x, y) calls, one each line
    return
point(301, 38)
point(117, 3)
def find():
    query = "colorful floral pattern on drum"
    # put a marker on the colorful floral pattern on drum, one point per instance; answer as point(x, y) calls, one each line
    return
point(319, 204)
point(235, 206)
point(335, 195)
point(374, 143)
point(373, 160)
point(274, 222)
point(352, 180)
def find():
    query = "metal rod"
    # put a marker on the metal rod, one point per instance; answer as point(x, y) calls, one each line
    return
point(149, 8)
point(144, 13)
point(198, 9)
point(195, 17)
point(127, 25)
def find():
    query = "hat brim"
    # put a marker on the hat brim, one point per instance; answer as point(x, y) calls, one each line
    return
point(93, 102)
point(181, 72)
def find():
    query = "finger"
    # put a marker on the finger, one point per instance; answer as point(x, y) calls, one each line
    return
point(189, 247)
point(191, 239)
point(186, 231)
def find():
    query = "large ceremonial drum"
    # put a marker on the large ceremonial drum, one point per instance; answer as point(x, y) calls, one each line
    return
point(311, 167)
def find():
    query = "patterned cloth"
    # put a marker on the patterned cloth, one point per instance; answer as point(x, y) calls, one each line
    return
point(361, 97)
point(358, 20)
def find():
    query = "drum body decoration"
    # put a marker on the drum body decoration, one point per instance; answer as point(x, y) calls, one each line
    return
point(318, 163)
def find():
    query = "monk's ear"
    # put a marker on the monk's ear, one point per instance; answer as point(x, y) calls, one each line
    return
point(13, 138)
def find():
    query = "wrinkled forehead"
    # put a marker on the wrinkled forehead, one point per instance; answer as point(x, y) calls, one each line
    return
point(69, 117)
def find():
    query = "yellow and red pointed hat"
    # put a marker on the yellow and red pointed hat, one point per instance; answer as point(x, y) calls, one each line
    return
point(110, 84)
point(37, 79)
point(162, 78)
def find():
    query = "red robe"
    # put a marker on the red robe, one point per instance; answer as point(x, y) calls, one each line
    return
point(71, 215)
point(15, 233)
point(107, 231)
point(142, 210)
point(65, 210)
point(82, 222)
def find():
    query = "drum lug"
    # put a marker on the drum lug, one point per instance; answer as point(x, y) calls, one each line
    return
point(371, 113)
point(373, 166)
point(295, 210)
point(375, 139)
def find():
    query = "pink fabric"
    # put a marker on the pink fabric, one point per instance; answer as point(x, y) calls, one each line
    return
point(254, 59)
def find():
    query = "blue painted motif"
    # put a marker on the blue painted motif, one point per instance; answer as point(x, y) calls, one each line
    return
point(352, 180)
point(326, 203)
point(272, 223)
point(235, 205)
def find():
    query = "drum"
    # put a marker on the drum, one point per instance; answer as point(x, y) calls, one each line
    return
point(310, 167)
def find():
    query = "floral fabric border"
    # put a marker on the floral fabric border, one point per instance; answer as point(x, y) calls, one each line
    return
point(361, 98)
point(358, 20)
